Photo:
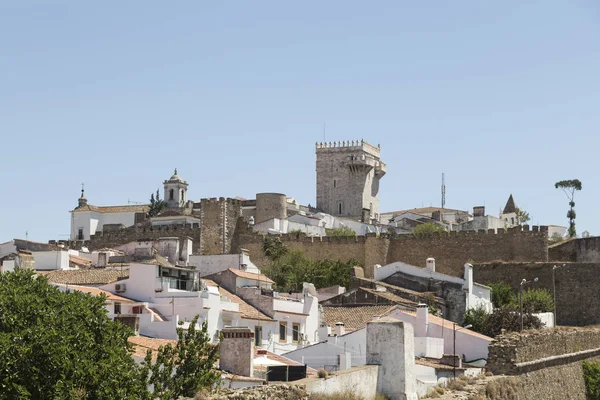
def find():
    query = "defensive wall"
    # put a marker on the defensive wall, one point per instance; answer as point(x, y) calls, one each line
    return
point(451, 249)
point(576, 250)
point(214, 235)
point(577, 300)
point(547, 362)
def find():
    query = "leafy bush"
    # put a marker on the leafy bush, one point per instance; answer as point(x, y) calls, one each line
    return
point(507, 318)
point(428, 229)
point(591, 376)
point(273, 247)
point(537, 301)
point(502, 389)
point(322, 373)
point(341, 231)
point(478, 318)
point(502, 294)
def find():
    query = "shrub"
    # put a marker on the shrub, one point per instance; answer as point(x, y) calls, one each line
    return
point(428, 229)
point(507, 318)
point(537, 301)
point(502, 294)
point(341, 231)
point(591, 376)
point(502, 389)
point(322, 373)
point(477, 317)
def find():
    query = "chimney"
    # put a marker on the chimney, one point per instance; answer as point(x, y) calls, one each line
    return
point(479, 211)
point(430, 264)
point(468, 278)
point(324, 332)
point(422, 324)
point(339, 329)
point(236, 351)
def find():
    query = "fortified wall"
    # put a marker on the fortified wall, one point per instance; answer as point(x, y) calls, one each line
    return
point(576, 250)
point(214, 235)
point(577, 302)
point(451, 249)
point(547, 362)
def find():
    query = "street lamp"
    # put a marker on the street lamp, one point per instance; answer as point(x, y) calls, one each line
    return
point(454, 340)
point(523, 283)
point(554, 268)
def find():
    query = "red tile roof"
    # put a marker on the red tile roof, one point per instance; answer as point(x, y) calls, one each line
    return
point(354, 318)
point(248, 312)
point(94, 291)
point(251, 275)
point(113, 209)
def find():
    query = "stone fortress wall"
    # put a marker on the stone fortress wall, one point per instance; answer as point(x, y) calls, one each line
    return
point(451, 250)
point(547, 362)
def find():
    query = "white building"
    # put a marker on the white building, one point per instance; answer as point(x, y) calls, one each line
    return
point(46, 256)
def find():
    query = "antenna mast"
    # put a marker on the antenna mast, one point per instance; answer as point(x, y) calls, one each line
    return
point(443, 191)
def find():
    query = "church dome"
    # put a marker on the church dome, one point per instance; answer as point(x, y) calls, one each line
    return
point(175, 177)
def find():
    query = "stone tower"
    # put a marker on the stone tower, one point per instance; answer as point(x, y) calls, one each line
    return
point(175, 194)
point(348, 175)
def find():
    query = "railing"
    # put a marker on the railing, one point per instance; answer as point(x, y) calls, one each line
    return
point(165, 283)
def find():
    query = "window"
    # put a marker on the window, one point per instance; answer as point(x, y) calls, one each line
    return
point(339, 207)
point(181, 198)
point(512, 220)
point(171, 194)
point(258, 335)
point(283, 332)
point(295, 333)
point(334, 183)
point(80, 234)
point(117, 308)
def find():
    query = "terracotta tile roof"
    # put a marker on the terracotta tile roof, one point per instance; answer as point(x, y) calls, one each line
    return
point(447, 324)
point(113, 209)
point(142, 344)
point(354, 317)
point(85, 277)
point(79, 261)
point(97, 292)
point(248, 312)
point(251, 275)
point(390, 297)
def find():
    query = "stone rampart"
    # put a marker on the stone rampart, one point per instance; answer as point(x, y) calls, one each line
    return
point(577, 300)
point(451, 250)
point(576, 250)
point(547, 362)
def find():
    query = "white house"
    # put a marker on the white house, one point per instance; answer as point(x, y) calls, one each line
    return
point(46, 256)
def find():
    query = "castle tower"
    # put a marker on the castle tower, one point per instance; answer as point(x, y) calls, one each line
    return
point(175, 194)
point(348, 175)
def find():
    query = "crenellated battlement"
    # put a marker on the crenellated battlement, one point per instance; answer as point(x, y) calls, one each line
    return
point(349, 145)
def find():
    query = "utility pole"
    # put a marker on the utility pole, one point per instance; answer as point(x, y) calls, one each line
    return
point(443, 190)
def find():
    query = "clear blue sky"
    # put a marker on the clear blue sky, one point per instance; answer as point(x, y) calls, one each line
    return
point(503, 97)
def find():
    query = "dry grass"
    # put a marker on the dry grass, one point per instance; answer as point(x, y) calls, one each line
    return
point(502, 389)
point(346, 395)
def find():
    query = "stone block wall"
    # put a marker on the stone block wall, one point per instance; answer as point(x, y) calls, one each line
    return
point(576, 250)
point(451, 250)
point(547, 362)
point(219, 219)
point(577, 300)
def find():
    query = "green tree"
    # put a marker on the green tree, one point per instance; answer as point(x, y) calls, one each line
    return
point(428, 229)
point(555, 238)
point(478, 318)
point(507, 318)
point(156, 205)
point(61, 345)
point(273, 247)
point(341, 231)
point(569, 187)
point(502, 294)
point(183, 369)
point(538, 300)
point(591, 377)
point(522, 216)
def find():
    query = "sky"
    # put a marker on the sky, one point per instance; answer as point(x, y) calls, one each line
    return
point(502, 97)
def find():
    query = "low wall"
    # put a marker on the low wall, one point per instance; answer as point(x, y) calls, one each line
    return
point(547, 362)
point(361, 381)
point(576, 250)
point(577, 299)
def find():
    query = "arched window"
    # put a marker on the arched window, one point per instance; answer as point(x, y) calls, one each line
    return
point(181, 198)
point(512, 220)
point(171, 194)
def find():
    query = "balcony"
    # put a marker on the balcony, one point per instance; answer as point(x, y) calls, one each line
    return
point(168, 284)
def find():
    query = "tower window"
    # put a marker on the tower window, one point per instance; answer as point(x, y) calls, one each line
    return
point(182, 195)
point(339, 207)
point(80, 234)
point(171, 194)
point(334, 183)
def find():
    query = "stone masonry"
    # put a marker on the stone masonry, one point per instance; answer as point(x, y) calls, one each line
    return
point(348, 175)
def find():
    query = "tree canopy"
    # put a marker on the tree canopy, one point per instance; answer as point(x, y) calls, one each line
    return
point(62, 345)
point(341, 231)
point(58, 345)
point(428, 229)
point(569, 187)
point(156, 205)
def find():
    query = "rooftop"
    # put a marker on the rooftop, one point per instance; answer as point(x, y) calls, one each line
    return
point(354, 317)
point(251, 275)
point(248, 312)
point(426, 210)
point(85, 277)
point(94, 291)
point(114, 209)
